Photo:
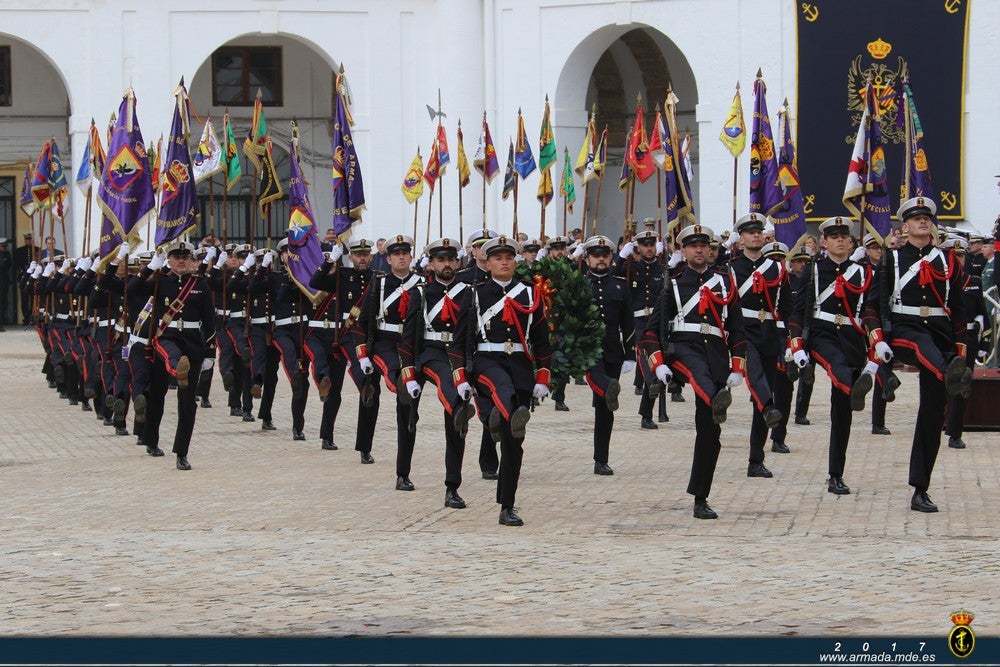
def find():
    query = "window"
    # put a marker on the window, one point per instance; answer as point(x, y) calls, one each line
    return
point(238, 72)
point(4, 76)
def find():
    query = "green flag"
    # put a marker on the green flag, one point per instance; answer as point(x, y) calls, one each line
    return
point(546, 141)
point(231, 157)
point(566, 188)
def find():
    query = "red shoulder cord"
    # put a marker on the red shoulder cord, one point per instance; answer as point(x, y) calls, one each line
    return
point(842, 286)
point(708, 300)
point(449, 311)
point(928, 276)
point(511, 308)
point(763, 286)
point(404, 304)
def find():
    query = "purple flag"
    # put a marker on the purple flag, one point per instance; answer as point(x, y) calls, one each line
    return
point(789, 216)
point(916, 171)
point(304, 251)
point(764, 191)
point(348, 187)
point(178, 192)
point(125, 193)
point(866, 193)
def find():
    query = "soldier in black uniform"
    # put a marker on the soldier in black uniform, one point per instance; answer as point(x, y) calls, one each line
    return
point(183, 310)
point(431, 319)
point(764, 299)
point(24, 255)
point(978, 338)
point(205, 254)
point(62, 312)
point(920, 312)
point(529, 252)
point(476, 271)
point(783, 388)
point(557, 249)
point(975, 261)
point(377, 335)
point(322, 346)
point(826, 326)
point(695, 331)
point(264, 356)
point(502, 347)
point(349, 284)
point(644, 279)
point(886, 381)
point(121, 340)
point(614, 305)
point(228, 279)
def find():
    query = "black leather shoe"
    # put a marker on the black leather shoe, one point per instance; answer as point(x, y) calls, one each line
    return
point(368, 391)
point(205, 403)
point(453, 500)
point(108, 421)
point(703, 511)
point(182, 463)
point(487, 474)
point(121, 430)
point(779, 447)
point(880, 430)
point(183, 370)
point(235, 412)
point(85, 406)
point(139, 405)
point(256, 391)
point(139, 443)
point(109, 401)
point(860, 390)
point(327, 444)
point(921, 502)
point(602, 469)
point(73, 401)
point(324, 389)
point(227, 382)
point(802, 421)
point(463, 413)
point(953, 375)
point(956, 443)
point(662, 417)
point(721, 403)
point(611, 394)
point(154, 451)
point(836, 486)
point(367, 458)
point(772, 416)
point(808, 374)
point(89, 393)
point(298, 435)
point(508, 517)
point(494, 424)
point(889, 388)
point(758, 470)
point(266, 425)
point(518, 421)
point(52, 384)
point(677, 398)
point(649, 423)
point(638, 391)
point(404, 484)
point(118, 410)
point(561, 407)
point(248, 417)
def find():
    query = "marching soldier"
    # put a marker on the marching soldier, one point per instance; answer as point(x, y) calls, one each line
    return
point(292, 313)
point(423, 354)
point(784, 388)
point(557, 249)
point(502, 347)
point(228, 279)
point(377, 336)
point(476, 271)
point(529, 252)
point(826, 326)
point(182, 307)
point(694, 329)
point(264, 356)
point(206, 256)
point(764, 299)
point(886, 381)
point(920, 313)
point(614, 305)
point(975, 260)
point(349, 284)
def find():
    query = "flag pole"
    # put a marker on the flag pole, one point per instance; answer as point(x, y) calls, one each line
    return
point(416, 205)
point(486, 161)
point(430, 210)
point(516, 179)
point(542, 220)
point(440, 179)
point(600, 183)
point(461, 228)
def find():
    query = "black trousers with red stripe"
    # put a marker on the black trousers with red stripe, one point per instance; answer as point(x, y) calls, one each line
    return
point(434, 366)
point(495, 377)
point(761, 371)
point(842, 364)
point(598, 378)
point(956, 407)
point(288, 341)
point(169, 349)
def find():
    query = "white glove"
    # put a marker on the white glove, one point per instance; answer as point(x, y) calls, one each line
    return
point(248, 263)
point(675, 259)
point(37, 273)
point(734, 380)
point(627, 366)
point(659, 247)
point(663, 373)
point(31, 268)
point(981, 355)
point(871, 368)
point(858, 254)
point(801, 358)
point(209, 255)
point(626, 250)
point(223, 258)
point(122, 253)
point(335, 254)
point(462, 254)
point(978, 319)
point(85, 264)
point(883, 351)
point(49, 269)
point(542, 253)
point(424, 262)
point(66, 267)
point(540, 392)
point(159, 259)
point(413, 388)
point(268, 258)
point(207, 363)
point(366, 365)
point(788, 355)
point(464, 390)
point(577, 252)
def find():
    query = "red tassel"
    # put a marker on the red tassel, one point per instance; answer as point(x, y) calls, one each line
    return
point(404, 304)
point(449, 311)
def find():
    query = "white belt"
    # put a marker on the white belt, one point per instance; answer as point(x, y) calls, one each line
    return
point(228, 313)
point(259, 320)
point(221, 312)
point(644, 312)
point(440, 336)
point(508, 347)
point(120, 329)
point(391, 328)
point(235, 314)
point(919, 311)
point(181, 325)
point(971, 325)
point(290, 320)
point(757, 314)
point(704, 328)
point(839, 318)
point(323, 324)
point(62, 316)
point(104, 323)
point(132, 340)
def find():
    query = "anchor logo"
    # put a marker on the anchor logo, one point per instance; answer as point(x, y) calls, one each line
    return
point(807, 204)
point(811, 12)
point(948, 200)
point(952, 6)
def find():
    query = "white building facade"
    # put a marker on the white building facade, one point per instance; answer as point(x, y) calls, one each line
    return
point(69, 61)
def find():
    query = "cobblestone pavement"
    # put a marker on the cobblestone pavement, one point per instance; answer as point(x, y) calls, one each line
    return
point(266, 536)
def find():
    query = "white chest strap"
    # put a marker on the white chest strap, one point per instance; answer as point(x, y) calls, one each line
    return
point(492, 311)
point(435, 310)
point(748, 283)
point(683, 310)
point(914, 270)
point(386, 301)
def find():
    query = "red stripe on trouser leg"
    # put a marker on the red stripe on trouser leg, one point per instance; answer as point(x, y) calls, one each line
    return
point(437, 383)
point(166, 358)
point(829, 371)
point(694, 385)
point(378, 361)
point(485, 381)
point(921, 358)
point(593, 386)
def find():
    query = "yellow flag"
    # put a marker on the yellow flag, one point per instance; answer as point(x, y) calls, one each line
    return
point(463, 162)
point(413, 182)
point(585, 159)
point(734, 130)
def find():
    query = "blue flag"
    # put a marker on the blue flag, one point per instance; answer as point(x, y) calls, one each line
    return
point(509, 175)
point(83, 174)
point(789, 216)
point(866, 193)
point(524, 161)
point(916, 170)
point(348, 188)
point(178, 193)
point(764, 192)
point(304, 251)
